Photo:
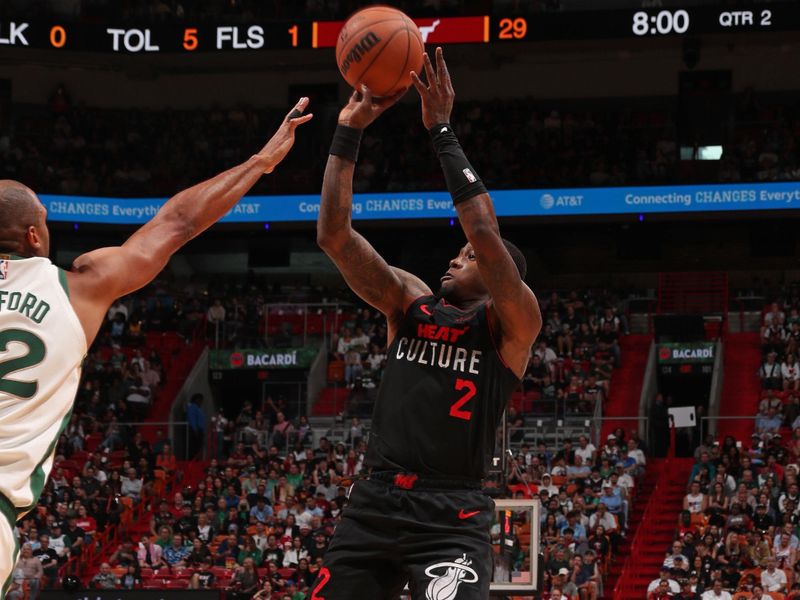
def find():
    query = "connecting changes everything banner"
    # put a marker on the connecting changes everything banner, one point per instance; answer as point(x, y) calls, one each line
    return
point(433, 205)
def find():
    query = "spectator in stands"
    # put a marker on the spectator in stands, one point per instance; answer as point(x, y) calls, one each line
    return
point(197, 425)
point(706, 464)
point(586, 575)
point(770, 400)
point(16, 589)
point(688, 592)
point(215, 317)
point(785, 553)
point(75, 535)
point(293, 552)
point(59, 542)
point(758, 593)
point(166, 460)
point(353, 366)
point(220, 426)
point(586, 450)
point(245, 581)
point(772, 578)
point(265, 591)
point(609, 522)
point(132, 485)
point(200, 554)
point(637, 454)
point(610, 450)
point(203, 578)
point(676, 552)
point(261, 512)
point(138, 398)
point(716, 592)
point(32, 571)
point(577, 528)
point(547, 485)
point(281, 431)
point(344, 343)
point(228, 551)
point(769, 423)
point(770, 373)
point(695, 501)
point(124, 555)
point(132, 578)
point(613, 502)
point(105, 579)
point(249, 551)
point(790, 372)
point(792, 494)
point(176, 554)
point(48, 557)
point(272, 553)
point(730, 576)
point(664, 579)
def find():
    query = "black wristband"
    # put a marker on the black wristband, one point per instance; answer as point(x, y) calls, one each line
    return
point(462, 181)
point(346, 141)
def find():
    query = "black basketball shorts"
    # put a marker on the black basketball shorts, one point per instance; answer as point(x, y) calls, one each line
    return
point(409, 531)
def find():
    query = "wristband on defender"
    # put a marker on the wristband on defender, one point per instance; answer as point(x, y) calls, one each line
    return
point(346, 141)
point(462, 181)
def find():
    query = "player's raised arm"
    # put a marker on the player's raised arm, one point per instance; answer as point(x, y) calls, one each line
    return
point(388, 289)
point(513, 303)
point(99, 277)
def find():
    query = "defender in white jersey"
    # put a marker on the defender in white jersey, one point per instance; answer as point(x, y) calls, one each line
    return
point(49, 317)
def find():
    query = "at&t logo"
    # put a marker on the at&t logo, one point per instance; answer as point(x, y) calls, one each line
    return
point(548, 201)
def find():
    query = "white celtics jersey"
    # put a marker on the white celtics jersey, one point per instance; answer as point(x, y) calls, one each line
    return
point(42, 345)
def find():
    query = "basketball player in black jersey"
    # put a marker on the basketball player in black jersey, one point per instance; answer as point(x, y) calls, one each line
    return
point(454, 359)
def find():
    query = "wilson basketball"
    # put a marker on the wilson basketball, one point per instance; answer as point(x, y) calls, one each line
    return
point(379, 46)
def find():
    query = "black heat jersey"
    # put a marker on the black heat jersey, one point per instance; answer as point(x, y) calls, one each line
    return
point(442, 394)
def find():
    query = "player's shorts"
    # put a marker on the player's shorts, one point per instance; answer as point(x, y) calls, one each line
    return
point(9, 546)
point(399, 529)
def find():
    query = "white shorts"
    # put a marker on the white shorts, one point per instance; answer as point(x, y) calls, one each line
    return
point(9, 549)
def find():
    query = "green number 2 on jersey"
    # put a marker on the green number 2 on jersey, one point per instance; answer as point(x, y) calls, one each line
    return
point(35, 355)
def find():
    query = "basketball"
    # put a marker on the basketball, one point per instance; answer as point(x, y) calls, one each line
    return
point(379, 46)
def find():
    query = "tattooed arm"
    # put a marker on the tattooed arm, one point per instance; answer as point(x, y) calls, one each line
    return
point(514, 309)
point(514, 306)
point(388, 289)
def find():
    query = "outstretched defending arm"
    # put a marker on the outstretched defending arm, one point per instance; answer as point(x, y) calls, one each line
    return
point(99, 277)
point(513, 303)
point(388, 289)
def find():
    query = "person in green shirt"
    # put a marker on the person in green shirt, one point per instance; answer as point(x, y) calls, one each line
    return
point(292, 591)
point(221, 516)
point(295, 476)
point(164, 537)
point(272, 481)
point(250, 550)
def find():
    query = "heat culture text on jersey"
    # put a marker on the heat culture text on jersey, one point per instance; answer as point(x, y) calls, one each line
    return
point(431, 347)
point(444, 387)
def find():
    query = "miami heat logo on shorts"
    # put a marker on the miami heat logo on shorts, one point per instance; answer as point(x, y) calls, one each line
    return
point(447, 576)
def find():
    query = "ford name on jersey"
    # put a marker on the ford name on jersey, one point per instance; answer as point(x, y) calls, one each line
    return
point(28, 305)
point(431, 347)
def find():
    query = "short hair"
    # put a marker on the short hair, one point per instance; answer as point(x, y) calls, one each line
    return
point(518, 257)
point(18, 211)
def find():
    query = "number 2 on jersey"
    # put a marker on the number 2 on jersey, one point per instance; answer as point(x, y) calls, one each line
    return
point(35, 355)
point(455, 409)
